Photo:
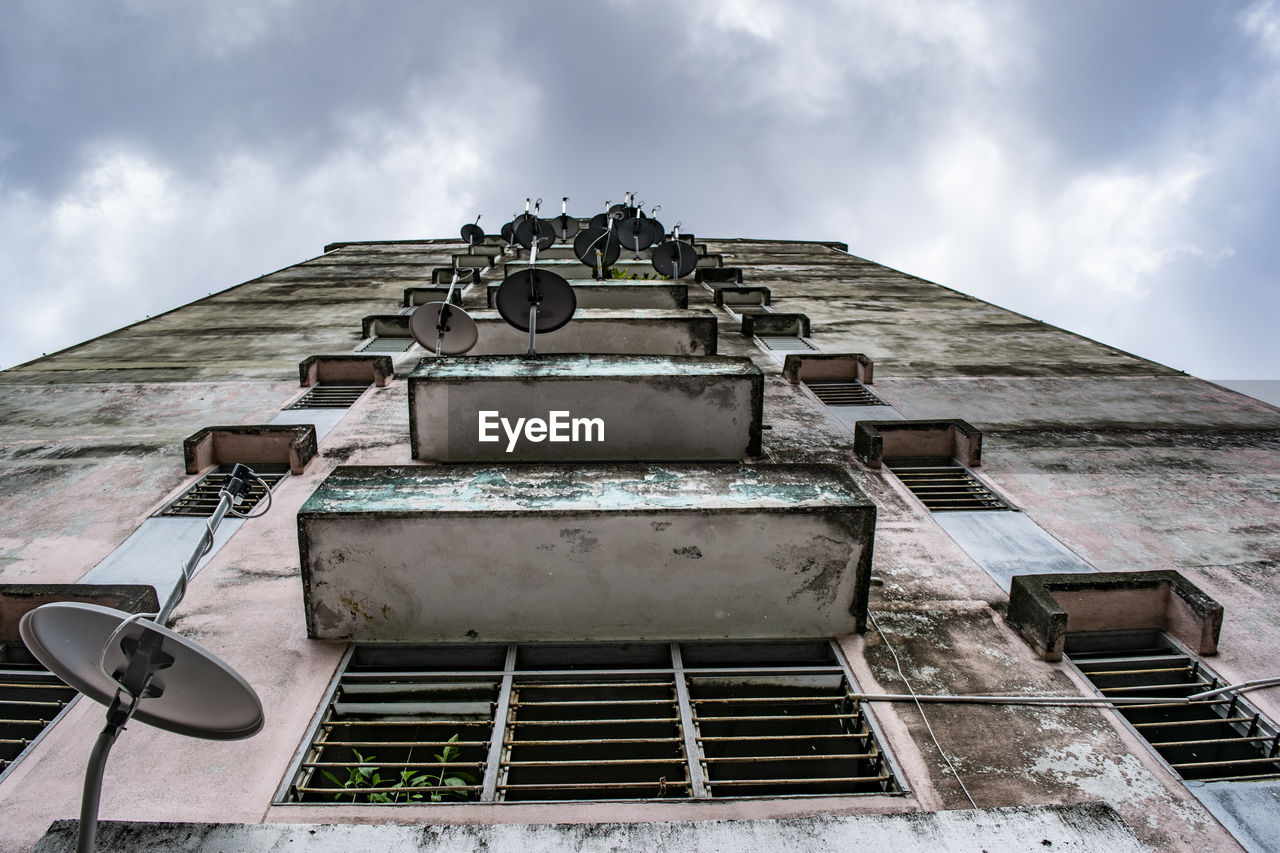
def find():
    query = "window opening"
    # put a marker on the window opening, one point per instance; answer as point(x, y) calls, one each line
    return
point(385, 344)
point(643, 721)
point(31, 700)
point(202, 498)
point(943, 485)
point(1215, 739)
point(842, 392)
point(330, 395)
point(786, 343)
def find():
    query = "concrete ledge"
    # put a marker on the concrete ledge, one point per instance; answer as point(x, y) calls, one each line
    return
point(874, 441)
point(620, 294)
point(775, 324)
point(277, 444)
point(18, 598)
point(482, 258)
point(742, 296)
point(799, 367)
point(420, 295)
point(637, 331)
point(1044, 608)
point(710, 275)
point(1085, 827)
point(652, 408)
point(522, 553)
point(572, 268)
point(444, 275)
point(374, 369)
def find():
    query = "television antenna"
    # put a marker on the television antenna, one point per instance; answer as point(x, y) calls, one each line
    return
point(532, 229)
point(534, 300)
point(472, 234)
point(598, 247)
point(566, 226)
point(142, 670)
point(674, 258)
point(443, 327)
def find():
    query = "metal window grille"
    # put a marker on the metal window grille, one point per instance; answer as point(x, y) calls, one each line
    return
point(842, 392)
point(330, 395)
point(201, 499)
point(786, 343)
point(944, 486)
point(741, 308)
point(31, 700)
point(1217, 739)
point(385, 344)
point(647, 721)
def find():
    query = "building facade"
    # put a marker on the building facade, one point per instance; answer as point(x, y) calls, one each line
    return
point(797, 549)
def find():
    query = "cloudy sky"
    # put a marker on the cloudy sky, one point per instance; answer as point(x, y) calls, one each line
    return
point(1110, 167)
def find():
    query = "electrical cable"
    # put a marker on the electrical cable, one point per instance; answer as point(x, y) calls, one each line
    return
point(898, 664)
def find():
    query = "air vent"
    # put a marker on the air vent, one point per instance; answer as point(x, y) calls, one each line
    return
point(786, 343)
point(596, 739)
point(636, 722)
point(766, 735)
point(843, 392)
point(1216, 739)
point(201, 500)
point(381, 344)
point(31, 699)
point(330, 395)
point(944, 486)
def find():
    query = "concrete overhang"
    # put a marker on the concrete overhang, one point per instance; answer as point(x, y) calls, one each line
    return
point(639, 331)
point(603, 552)
point(622, 294)
point(16, 599)
point(799, 367)
point(481, 257)
point(373, 369)
point(444, 275)
point(775, 324)
point(742, 295)
point(574, 268)
point(610, 408)
point(708, 275)
point(875, 441)
point(251, 444)
point(1044, 608)
point(437, 293)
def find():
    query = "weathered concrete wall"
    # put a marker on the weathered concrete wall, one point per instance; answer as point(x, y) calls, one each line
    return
point(1129, 464)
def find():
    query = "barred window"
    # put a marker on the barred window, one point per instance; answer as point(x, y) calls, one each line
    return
point(641, 721)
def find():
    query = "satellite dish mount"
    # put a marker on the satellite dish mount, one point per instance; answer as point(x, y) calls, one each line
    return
point(139, 668)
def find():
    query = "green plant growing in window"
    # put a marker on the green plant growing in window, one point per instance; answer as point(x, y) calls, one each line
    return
point(360, 776)
point(621, 273)
point(455, 779)
point(363, 779)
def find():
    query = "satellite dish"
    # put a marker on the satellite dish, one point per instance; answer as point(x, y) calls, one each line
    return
point(588, 241)
point(526, 290)
point(674, 258)
point(601, 220)
point(508, 232)
point(530, 228)
point(196, 694)
point(472, 234)
point(443, 328)
point(565, 225)
point(635, 233)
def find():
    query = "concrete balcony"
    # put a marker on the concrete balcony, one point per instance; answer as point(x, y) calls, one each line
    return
point(573, 268)
point(622, 294)
point(586, 407)
point(604, 552)
point(631, 332)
